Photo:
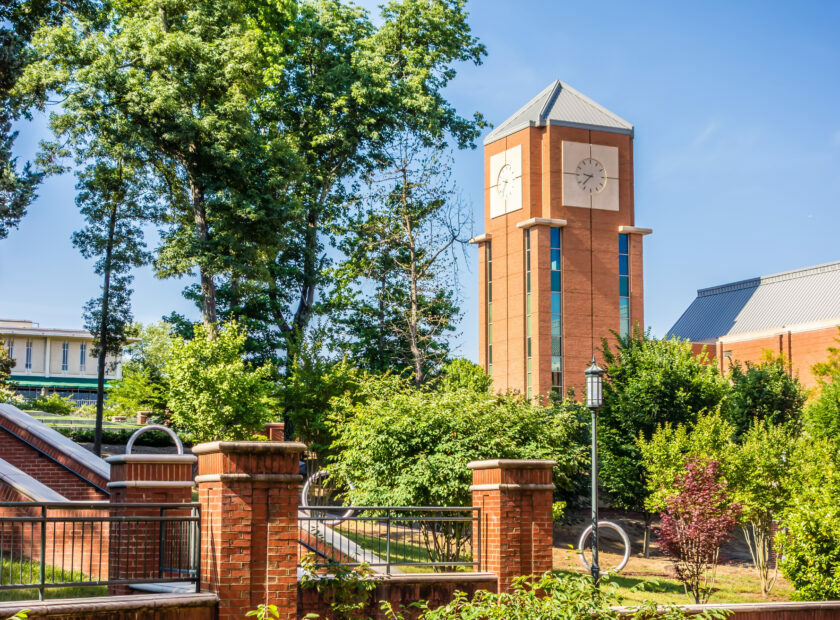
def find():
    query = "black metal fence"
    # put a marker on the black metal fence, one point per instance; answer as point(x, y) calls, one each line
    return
point(78, 544)
point(389, 537)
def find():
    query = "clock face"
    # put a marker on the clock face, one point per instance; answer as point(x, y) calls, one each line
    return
point(504, 183)
point(591, 176)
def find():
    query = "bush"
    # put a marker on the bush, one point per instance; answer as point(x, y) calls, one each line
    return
point(213, 393)
point(553, 596)
point(52, 404)
point(121, 436)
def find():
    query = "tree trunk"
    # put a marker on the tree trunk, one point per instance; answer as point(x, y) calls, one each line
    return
point(208, 286)
point(414, 320)
point(646, 543)
point(103, 334)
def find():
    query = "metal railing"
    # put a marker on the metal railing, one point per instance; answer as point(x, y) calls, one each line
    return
point(78, 544)
point(388, 537)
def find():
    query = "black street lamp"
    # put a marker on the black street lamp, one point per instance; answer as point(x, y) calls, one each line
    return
point(594, 400)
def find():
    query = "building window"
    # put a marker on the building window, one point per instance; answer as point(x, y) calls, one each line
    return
point(28, 361)
point(556, 313)
point(488, 248)
point(82, 356)
point(528, 384)
point(65, 356)
point(10, 347)
point(624, 284)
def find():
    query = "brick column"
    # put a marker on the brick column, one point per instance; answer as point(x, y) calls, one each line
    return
point(275, 431)
point(516, 527)
point(134, 546)
point(249, 499)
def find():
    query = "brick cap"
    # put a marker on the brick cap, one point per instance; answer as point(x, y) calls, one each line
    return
point(80, 607)
point(512, 487)
point(512, 464)
point(153, 459)
point(248, 478)
point(541, 221)
point(150, 484)
point(249, 447)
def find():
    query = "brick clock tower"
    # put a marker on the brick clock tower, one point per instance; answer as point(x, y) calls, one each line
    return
point(560, 261)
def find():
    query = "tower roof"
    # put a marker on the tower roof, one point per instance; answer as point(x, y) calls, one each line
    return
point(560, 104)
point(800, 297)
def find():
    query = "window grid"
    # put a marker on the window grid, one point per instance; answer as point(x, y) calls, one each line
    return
point(28, 360)
point(65, 356)
point(556, 313)
point(488, 248)
point(82, 356)
point(624, 284)
point(528, 383)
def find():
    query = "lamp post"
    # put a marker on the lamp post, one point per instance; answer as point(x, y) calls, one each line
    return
point(594, 400)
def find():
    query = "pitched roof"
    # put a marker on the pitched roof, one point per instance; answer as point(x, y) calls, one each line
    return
point(560, 104)
point(802, 296)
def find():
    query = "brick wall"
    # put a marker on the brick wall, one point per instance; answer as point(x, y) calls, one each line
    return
point(141, 606)
point(401, 591)
point(56, 472)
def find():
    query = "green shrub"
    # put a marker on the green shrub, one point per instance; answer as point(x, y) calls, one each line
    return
point(121, 436)
point(52, 404)
point(552, 596)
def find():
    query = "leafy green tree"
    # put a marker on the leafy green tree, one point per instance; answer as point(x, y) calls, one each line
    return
point(764, 391)
point(809, 535)
point(143, 385)
point(111, 204)
point(400, 243)
point(666, 453)
point(648, 382)
point(464, 374)
point(759, 481)
point(213, 393)
point(341, 88)
point(6, 364)
point(135, 391)
point(822, 415)
point(403, 446)
point(19, 19)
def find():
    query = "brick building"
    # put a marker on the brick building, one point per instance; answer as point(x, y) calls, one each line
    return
point(795, 313)
point(560, 260)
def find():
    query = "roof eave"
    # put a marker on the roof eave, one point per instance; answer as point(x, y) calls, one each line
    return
point(508, 131)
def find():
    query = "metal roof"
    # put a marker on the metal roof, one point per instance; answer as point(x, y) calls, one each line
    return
point(560, 104)
point(782, 300)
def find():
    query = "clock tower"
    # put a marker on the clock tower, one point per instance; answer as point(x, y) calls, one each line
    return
point(560, 261)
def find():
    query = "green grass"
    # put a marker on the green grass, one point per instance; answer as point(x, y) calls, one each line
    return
point(400, 552)
point(25, 572)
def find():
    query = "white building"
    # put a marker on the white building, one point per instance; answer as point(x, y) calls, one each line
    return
point(53, 360)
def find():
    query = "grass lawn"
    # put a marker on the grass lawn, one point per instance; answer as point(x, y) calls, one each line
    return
point(24, 572)
point(651, 579)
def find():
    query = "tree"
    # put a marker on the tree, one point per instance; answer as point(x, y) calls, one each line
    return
point(401, 243)
point(112, 204)
point(143, 385)
point(183, 82)
point(696, 523)
point(19, 19)
point(764, 391)
point(648, 383)
point(822, 415)
point(760, 486)
point(213, 393)
point(6, 364)
point(809, 534)
point(342, 87)
point(464, 374)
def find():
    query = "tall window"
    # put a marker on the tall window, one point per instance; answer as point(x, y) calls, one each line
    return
point(624, 284)
point(82, 356)
point(10, 347)
point(556, 314)
point(65, 356)
point(528, 384)
point(28, 361)
point(488, 248)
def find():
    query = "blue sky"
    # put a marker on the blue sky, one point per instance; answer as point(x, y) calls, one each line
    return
point(737, 152)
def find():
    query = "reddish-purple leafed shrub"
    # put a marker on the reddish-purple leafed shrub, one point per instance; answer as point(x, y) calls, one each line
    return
point(696, 523)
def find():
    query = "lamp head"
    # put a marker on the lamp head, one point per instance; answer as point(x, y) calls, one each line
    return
point(594, 385)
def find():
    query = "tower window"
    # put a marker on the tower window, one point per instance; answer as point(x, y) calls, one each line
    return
point(28, 360)
point(623, 284)
point(556, 312)
point(528, 378)
point(82, 356)
point(488, 248)
point(65, 356)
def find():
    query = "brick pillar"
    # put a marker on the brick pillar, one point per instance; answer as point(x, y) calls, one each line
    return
point(516, 527)
point(275, 431)
point(134, 546)
point(249, 530)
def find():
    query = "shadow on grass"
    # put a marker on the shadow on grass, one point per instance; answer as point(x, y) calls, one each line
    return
point(642, 584)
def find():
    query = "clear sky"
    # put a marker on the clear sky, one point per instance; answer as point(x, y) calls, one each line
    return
point(736, 107)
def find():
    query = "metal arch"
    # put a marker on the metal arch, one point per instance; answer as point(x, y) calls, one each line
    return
point(624, 539)
point(154, 427)
point(304, 500)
